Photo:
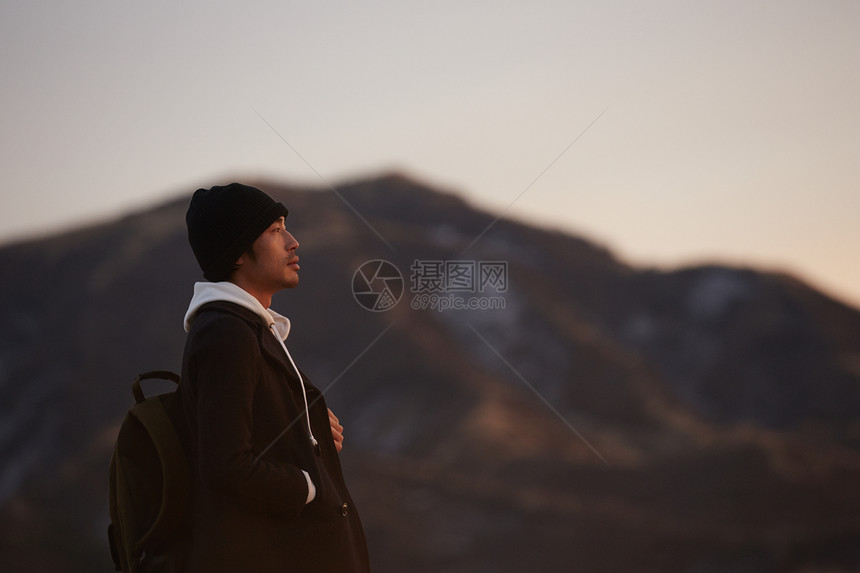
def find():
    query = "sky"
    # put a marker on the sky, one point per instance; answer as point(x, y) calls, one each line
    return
point(674, 133)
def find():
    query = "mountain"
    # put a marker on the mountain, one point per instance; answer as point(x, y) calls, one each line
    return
point(585, 415)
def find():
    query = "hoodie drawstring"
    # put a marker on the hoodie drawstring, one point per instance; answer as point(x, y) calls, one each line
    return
point(304, 392)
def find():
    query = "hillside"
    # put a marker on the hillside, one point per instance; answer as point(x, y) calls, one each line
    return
point(607, 418)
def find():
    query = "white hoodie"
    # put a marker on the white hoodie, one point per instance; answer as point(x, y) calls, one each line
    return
point(279, 326)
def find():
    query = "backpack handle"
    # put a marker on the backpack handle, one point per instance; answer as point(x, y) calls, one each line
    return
point(137, 391)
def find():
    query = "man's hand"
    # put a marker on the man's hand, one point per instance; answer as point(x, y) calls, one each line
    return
point(336, 430)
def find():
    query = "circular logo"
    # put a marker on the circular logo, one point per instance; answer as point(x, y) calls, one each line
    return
point(377, 285)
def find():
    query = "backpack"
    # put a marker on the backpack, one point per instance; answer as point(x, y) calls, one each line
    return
point(150, 483)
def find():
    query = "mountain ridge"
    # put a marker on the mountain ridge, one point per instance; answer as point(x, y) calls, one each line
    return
point(720, 397)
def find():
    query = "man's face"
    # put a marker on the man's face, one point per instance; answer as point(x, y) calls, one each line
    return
point(273, 264)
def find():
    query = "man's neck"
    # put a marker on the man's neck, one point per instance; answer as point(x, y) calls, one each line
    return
point(264, 298)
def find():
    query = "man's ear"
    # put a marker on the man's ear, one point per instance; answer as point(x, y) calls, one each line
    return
point(239, 262)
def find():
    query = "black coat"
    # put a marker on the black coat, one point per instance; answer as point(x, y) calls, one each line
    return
point(239, 393)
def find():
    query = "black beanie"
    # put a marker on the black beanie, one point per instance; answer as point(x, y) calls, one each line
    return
point(224, 221)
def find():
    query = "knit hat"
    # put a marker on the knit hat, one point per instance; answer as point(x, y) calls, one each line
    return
point(224, 221)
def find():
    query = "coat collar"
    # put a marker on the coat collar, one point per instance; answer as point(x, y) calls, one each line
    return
point(269, 346)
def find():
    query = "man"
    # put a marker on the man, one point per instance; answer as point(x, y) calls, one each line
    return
point(269, 494)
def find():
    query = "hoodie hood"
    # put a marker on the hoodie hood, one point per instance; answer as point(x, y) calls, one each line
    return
point(206, 292)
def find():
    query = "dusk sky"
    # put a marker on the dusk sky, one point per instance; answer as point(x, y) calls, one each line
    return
point(711, 131)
